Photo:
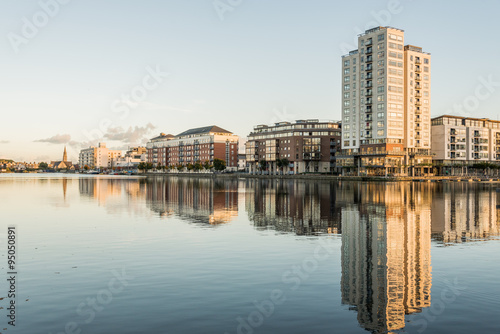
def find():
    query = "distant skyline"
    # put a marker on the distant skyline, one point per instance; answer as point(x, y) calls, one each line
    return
point(128, 70)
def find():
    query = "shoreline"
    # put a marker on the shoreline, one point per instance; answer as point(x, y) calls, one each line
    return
point(330, 177)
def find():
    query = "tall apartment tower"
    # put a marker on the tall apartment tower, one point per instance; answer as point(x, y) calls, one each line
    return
point(386, 106)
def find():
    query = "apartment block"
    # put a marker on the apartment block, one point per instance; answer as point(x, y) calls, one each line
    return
point(194, 145)
point(465, 141)
point(306, 146)
point(98, 157)
point(385, 106)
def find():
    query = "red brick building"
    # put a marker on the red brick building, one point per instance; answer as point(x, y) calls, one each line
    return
point(194, 145)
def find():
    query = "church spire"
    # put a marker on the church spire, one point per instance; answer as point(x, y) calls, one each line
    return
point(65, 155)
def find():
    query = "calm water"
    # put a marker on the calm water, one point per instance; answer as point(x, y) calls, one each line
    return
point(179, 255)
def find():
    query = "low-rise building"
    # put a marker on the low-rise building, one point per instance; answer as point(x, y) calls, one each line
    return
point(293, 148)
point(464, 141)
point(132, 158)
point(98, 157)
point(194, 145)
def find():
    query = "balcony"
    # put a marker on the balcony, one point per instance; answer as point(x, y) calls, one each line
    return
point(369, 59)
point(369, 50)
point(418, 69)
point(418, 111)
point(418, 94)
point(418, 103)
point(418, 78)
point(368, 135)
point(368, 118)
point(368, 92)
point(369, 100)
point(368, 42)
point(369, 76)
point(369, 67)
point(418, 85)
point(418, 61)
point(368, 127)
point(369, 84)
point(368, 109)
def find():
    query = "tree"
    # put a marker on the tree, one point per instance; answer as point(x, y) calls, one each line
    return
point(190, 166)
point(43, 165)
point(149, 166)
point(159, 166)
point(179, 167)
point(263, 165)
point(207, 165)
point(219, 164)
point(197, 166)
point(141, 166)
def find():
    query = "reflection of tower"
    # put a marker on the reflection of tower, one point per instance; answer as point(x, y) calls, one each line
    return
point(65, 155)
point(386, 270)
point(65, 187)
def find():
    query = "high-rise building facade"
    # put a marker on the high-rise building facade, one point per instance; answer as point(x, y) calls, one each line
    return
point(386, 95)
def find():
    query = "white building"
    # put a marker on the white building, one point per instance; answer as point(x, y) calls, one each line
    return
point(98, 157)
point(465, 141)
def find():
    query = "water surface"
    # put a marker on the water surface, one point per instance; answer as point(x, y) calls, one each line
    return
point(183, 255)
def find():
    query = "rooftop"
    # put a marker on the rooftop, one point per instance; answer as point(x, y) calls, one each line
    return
point(203, 130)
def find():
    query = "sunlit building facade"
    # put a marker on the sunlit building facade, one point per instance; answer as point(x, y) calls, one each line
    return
point(307, 146)
point(386, 106)
point(464, 141)
point(194, 145)
point(98, 157)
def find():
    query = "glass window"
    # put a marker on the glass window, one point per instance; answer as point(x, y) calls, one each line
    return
point(380, 38)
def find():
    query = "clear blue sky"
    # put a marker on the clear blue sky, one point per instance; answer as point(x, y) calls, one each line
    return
point(267, 60)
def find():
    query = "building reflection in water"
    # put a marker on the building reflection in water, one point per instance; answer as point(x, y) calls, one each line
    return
point(298, 206)
point(386, 260)
point(465, 211)
point(205, 200)
point(386, 228)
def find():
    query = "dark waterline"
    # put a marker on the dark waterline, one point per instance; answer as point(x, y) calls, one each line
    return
point(186, 255)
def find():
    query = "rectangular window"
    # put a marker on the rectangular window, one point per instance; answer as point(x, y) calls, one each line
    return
point(346, 95)
point(347, 79)
point(380, 106)
point(346, 63)
point(426, 60)
point(346, 71)
point(347, 87)
point(380, 38)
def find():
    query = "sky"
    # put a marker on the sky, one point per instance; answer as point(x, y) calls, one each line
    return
point(77, 72)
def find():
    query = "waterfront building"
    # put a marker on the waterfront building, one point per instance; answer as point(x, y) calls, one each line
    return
point(464, 141)
point(386, 98)
point(293, 148)
point(132, 158)
point(194, 145)
point(242, 162)
point(98, 157)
